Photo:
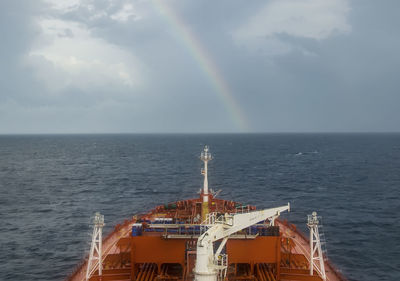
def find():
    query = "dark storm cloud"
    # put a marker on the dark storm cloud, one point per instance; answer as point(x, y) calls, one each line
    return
point(121, 66)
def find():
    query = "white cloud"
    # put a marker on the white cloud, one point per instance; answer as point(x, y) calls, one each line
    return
point(117, 10)
point(314, 19)
point(63, 5)
point(81, 60)
point(125, 13)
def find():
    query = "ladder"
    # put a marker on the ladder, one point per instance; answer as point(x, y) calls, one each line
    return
point(322, 239)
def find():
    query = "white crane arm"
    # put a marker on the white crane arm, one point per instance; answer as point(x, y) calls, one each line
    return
point(245, 220)
point(229, 225)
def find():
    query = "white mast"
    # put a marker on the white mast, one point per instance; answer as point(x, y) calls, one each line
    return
point(205, 156)
point(315, 247)
point(96, 247)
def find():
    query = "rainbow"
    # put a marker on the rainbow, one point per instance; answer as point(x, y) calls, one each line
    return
point(205, 62)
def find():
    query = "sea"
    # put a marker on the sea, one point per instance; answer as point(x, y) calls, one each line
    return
point(52, 185)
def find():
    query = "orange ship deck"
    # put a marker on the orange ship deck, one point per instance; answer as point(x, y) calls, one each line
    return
point(167, 251)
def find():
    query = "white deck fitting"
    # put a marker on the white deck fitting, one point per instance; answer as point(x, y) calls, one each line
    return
point(95, 256)
point(316, 256)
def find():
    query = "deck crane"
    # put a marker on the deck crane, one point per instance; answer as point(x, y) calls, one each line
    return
point(206, 268)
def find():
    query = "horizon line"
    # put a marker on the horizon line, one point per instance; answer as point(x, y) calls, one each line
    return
point(201, 133)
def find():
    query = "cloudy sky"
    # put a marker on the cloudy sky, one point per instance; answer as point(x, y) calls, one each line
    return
point(97, 66)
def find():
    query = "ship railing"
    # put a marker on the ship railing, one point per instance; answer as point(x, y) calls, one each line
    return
point(210, 219)
point(243, 209)
point(221, 264)
point(217, 218)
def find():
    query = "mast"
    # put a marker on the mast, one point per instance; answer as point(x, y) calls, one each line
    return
point(205, 156)
point(316, 256)
point(95, 256)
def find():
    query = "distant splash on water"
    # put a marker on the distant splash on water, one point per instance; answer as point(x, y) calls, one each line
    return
point(306, 153)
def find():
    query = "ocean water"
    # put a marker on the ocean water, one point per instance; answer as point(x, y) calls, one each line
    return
point(51, 185)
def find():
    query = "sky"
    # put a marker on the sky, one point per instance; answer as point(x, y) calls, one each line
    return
point(228, 66)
